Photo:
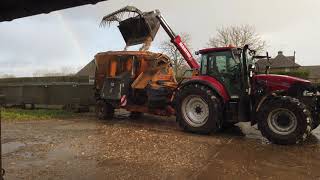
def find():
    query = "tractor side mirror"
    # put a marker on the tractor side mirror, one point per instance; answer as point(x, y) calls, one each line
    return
point(197, 53)
point(263, 57)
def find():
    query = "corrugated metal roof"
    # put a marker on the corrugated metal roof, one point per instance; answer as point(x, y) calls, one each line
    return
point(13, 9)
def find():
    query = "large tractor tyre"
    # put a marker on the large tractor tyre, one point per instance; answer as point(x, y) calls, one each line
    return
point(297, 90)
point(104, 111)
point(284, 120)
point(198, 109)
point(135, 115)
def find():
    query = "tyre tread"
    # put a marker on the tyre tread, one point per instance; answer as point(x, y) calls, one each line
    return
point(291, 103)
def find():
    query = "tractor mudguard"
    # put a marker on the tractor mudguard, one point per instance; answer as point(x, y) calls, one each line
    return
point(210, 82)
point(295, 90)
point(258, 104)
point(266, 97)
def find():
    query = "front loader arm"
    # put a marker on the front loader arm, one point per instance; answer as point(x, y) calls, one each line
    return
point(177, 41)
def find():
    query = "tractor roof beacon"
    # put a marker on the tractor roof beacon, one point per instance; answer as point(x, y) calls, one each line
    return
point(225, 89)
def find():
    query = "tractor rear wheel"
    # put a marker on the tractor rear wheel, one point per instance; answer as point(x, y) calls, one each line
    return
point(284, 120)
point(104, 110)
point(198, 109)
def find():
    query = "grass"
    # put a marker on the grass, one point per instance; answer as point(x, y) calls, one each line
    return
point(37, 114)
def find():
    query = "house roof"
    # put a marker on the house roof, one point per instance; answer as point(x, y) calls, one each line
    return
point(280, 61)
point(88, 70)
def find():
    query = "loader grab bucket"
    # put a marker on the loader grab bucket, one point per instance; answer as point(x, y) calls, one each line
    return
point(137, 29)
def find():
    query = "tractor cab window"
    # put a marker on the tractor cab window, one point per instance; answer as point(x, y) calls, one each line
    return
point(204, 66)
point(225, 67)
point(218, 63)
point(221, 63)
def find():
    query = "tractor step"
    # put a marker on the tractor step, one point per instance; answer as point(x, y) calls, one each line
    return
point(232, 110)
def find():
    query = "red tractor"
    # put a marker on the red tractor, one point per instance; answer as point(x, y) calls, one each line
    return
point(225, 89)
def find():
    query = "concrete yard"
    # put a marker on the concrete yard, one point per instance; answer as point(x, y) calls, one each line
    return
point(150, 148)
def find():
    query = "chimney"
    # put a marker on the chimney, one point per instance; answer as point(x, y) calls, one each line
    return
point(294, 56)
point(280, 53)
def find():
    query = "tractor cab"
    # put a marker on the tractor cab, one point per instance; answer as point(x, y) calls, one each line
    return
point(232, 67)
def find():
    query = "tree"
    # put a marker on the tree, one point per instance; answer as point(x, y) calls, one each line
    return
point(177, 60)
point(238, 36)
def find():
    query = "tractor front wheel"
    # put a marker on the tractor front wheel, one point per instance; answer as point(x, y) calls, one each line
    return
point(198, 109)
point(104, 110)
point(284, 120)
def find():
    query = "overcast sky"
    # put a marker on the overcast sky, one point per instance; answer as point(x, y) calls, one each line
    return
point(71, 38)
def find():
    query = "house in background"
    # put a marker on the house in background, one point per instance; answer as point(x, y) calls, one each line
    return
point(280, 63)
point(287, 64)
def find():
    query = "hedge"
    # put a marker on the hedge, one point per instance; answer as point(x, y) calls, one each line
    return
point(296, 73)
